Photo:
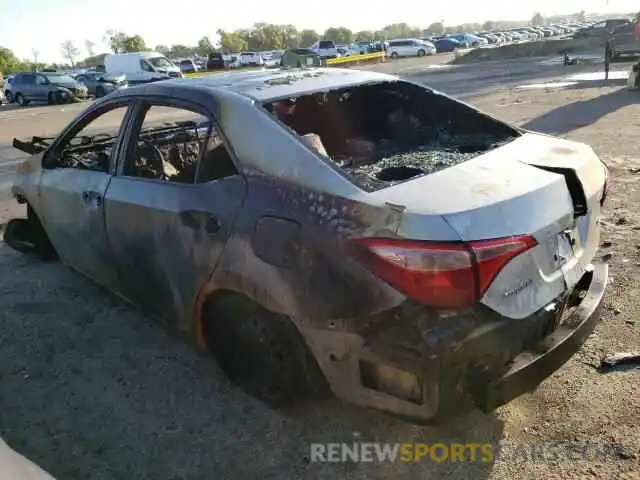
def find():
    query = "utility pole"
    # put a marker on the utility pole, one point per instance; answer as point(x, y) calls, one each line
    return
point(35, 54)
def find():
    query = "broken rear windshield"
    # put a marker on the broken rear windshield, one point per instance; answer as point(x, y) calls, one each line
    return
point(382, 134)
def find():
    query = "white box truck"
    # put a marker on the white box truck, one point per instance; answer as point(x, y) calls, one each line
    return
point(141, 67)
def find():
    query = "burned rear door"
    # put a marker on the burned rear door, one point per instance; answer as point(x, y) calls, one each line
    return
point(172, 206)
point(77, 170)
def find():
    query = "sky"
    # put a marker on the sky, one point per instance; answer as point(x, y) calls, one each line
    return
point(42, 25)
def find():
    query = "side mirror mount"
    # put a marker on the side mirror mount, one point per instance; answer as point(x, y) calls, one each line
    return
point(49, 160)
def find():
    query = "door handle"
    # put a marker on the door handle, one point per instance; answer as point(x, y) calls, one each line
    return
point(195, 220)
point(92, 198)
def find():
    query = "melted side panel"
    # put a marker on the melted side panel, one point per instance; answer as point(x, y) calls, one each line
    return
point(297, 263)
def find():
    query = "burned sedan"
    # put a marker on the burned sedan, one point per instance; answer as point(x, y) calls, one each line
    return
point(330, 231)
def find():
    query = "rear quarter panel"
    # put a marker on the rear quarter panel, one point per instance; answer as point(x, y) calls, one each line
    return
point(288, 248)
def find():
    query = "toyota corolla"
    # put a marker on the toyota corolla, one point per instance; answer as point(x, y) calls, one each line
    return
point(330, 231)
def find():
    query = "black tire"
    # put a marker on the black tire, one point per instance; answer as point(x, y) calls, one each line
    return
point(20, 100)
point(51, 98)
point(26, 235)
point(421, 53)
point(394, 55)
point(262, 352)
point(99, 92)
point(17, 235)
point(8, 96)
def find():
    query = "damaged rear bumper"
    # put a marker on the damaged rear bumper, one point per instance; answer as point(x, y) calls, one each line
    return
point(432, 371)
point(529, 369)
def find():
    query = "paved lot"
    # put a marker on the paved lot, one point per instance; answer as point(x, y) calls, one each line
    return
point(90, 388)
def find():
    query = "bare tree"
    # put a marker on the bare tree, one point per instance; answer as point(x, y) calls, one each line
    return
point(69, 52)
point(90, 47)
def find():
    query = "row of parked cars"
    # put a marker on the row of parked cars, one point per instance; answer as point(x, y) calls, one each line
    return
point(55, 87)
point(398, 47)
point(402, 47)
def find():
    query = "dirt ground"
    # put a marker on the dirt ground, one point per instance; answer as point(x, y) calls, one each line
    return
point(92, 389)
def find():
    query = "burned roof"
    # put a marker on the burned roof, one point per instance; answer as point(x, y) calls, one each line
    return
point(269, 84)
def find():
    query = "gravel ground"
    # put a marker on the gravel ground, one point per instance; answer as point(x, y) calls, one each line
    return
point(92, 389)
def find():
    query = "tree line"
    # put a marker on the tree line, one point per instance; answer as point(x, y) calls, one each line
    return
point(261, 36)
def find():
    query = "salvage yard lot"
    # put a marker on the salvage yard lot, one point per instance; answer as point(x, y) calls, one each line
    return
point(90, 388)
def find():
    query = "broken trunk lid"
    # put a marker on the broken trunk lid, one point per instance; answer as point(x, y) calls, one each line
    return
point(487, 189)
point(582, 169)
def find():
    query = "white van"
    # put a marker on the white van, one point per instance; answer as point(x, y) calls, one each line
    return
point(141, 67)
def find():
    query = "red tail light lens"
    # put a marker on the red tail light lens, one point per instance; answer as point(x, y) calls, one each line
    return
point(440, 274)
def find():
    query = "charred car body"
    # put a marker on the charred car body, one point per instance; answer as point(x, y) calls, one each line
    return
point(331, 230)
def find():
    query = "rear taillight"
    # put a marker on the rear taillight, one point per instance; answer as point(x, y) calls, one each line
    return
point(445, 275)
point(605, 188)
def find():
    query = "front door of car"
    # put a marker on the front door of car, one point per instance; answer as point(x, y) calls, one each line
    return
point(27, 85)
point(76, 173)
point(41, 91)
point(168, 226)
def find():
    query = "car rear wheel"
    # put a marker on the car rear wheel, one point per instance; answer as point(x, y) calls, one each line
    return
point(394, 54)
point(20, 100)
point(261, 351)
point(421, 53)
point(8, 97)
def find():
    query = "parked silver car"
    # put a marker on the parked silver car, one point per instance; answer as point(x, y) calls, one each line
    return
point(50, 87)
point(330, 229)
point(99, 83)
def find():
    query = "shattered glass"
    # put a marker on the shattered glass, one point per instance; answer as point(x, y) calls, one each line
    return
point(394, 165)
point(400, 167)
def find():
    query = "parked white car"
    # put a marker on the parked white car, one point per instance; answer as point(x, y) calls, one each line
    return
point(251, 59)
point(410, 47)
point(326, 49)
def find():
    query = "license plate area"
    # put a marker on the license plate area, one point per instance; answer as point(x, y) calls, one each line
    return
point(572, 270)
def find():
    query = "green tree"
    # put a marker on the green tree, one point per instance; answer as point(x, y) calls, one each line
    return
point(290, 36)
point(268, 36)
point(339, 35)
point(401, 30)
point(180, 51)
point(9, 63)
point(232, 42)
point(488, 25)
point(163, 49)
point(120, 42)
point(537, 19)
point(115, 39)
point(436, 28)
point(365, 36)
point(69, 51)
point(134, 43)
point(204, 46)
point(308, 37)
